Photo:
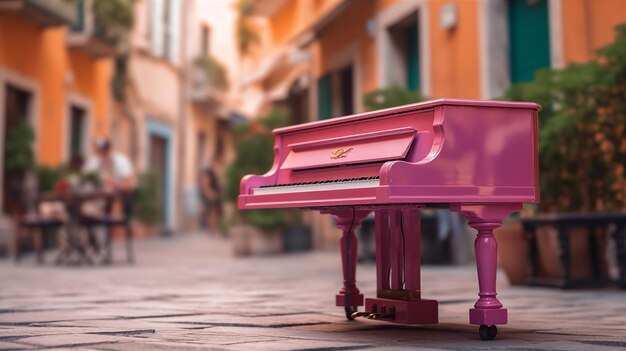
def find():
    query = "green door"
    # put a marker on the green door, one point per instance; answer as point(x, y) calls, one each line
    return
point(324, 97)
point(529, 38)
point(412, 57)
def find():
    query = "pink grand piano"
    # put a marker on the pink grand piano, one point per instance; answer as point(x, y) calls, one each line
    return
point(475, 157)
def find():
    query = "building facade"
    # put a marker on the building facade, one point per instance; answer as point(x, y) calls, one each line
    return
point(55, 72)
point(59, 69)
point(174, 120)
point(319, 57)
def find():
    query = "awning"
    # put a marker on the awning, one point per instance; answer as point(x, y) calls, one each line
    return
point(280, 91)
point(276, 62)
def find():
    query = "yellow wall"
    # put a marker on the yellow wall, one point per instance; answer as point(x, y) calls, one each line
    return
point(41, 55)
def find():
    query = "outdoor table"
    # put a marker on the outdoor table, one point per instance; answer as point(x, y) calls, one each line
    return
point(563, 222)
point(72, 201)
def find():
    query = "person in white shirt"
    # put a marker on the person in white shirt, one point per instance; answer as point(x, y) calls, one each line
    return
point(116, 173)
point(114, 168)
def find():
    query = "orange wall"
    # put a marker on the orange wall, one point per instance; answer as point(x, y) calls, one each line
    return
point(91, 79)
point(455, 66)
point(344, 30)
point(295, 17)
point(41, 56)
point(454, 55)
point(588, 25)
point(284, 23)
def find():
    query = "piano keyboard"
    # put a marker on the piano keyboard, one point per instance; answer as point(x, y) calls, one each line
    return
point(351, 183)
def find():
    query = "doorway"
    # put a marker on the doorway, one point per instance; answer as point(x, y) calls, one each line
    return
point(158, 163)
point(78, 131)
point(161, 159)
point(17, 109)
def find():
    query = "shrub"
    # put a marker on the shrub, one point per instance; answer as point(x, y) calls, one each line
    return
point(214, 72)
point(147, 201)
point(391, 97)
point(18, 148)
point(254, 143)
point(47, 177)
point(582, 149)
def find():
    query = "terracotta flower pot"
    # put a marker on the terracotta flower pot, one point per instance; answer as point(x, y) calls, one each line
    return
point(513, 252)
point(580, 263)
point(251, 241)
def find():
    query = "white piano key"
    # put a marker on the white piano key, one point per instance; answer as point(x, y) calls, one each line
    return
point(350, 184)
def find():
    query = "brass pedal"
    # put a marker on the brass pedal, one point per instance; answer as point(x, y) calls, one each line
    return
point(380, 316)
point(360, 314)
point(383, 314)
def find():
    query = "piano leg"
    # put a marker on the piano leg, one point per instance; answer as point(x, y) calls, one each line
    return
point(487, 311)
point(348, 220)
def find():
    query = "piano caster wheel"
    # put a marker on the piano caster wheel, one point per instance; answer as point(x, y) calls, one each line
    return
point(349, 311)
point(487, 332)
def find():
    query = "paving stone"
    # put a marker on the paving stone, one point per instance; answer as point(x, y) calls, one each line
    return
point(6, 345)
point(188, 293)
point(71, 340)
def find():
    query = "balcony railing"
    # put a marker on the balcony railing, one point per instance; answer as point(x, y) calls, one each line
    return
point(89, 33)
point(45, 12)
point(209, 80)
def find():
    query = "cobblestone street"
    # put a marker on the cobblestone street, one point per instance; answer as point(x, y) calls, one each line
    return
point(188, 293)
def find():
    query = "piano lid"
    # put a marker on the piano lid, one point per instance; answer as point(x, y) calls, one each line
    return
point(409, 108)
point(385, 145)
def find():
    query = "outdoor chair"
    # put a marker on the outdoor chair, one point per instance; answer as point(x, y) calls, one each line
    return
point(35, 226)
point(110, 221)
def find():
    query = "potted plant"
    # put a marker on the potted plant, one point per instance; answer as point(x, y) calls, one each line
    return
point(256, 231)
point(582, 155)
point(147, 204)
point(19, 160)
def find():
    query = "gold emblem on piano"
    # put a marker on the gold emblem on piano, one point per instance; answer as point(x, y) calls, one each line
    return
point(340, 153)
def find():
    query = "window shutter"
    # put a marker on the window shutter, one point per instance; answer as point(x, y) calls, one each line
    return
point(156, 22)
point(174, 30)
point(324, 97)
point(412, 58)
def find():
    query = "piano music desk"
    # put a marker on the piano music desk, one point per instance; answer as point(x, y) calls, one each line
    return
point(475, 157)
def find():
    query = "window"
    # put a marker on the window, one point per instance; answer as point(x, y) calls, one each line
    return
point(324, 95)
point(335, 93)
point(201, 154)
point(298, 103)
point(78, 131)
point(205, 34)
point(167, 38)
point(164, 28)
point(404, 49)
point(345, 78)
point(529, 38)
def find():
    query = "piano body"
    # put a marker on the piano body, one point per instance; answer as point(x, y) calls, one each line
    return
point(475, 157)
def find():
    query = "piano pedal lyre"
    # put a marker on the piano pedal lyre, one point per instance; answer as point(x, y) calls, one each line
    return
point(383, 314)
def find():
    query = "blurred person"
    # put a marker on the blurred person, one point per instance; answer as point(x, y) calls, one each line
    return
point(210, 195)
point(114, 168)
point(450, 227)
point(366, 233)
point(115, 173)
